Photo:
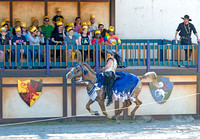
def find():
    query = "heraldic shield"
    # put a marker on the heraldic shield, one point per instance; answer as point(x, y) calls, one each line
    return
point(161, 93)
point(30, 91)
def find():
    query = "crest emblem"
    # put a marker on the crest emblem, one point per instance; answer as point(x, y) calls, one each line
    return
point(30, 91)
point(162, 93)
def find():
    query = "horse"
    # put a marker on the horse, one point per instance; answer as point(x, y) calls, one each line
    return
point(88, 76)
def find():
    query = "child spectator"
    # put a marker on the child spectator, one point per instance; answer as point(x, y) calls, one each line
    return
point(25, 32)
point(19, 40)
point(35, 39)
point(17, 24)
point(48, 29)
point(70, 24)
point(5, 39)
point(84, 39)
point(9, 28)
point(70, 39)
point(77, 25)
point(58, 16)
point(98, 38)
point(102, 29)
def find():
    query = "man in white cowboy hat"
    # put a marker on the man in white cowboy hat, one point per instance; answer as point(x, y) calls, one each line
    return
point(186, 29)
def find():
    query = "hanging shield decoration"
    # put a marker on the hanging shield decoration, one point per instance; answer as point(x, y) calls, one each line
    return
point(30, 91)
point(162, 93)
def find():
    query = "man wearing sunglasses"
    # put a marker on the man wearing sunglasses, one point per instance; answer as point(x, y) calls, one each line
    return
point(48, 29)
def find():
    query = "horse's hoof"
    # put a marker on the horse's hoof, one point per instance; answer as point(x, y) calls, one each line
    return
point(133, 117)
point(96, 113)
point(118, 122)
point(114, 118)
point(150, 120)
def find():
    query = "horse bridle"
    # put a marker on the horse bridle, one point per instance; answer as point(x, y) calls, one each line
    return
point(81, 68)
point(77, 70)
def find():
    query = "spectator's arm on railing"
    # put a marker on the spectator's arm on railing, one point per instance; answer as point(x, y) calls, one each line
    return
point(79, 40)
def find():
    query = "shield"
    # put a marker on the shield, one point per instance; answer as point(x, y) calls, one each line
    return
point(30, 91)
point(162, 93)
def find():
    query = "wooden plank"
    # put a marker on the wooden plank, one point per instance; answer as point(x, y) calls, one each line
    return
point(192, 54)
point(1, 99)
point(127, 56)
point(66, 54)
point(21, 56)
point(72, 55)
point(178, 55)
point(64, 97)
point(33, 55)
point(88, 54)
point(112, 13)
point(55, 55)
point(39, 55)
point(188, 55)
point(163, 55)
point(168, 56)
point(158, 55)
point(100, 55)
point(4, 50)
point(133, 54)
point(60, 55)
point(154, 55)
point(83, 52)
point(173, 56)
point(138, 54)
point(143, 55)
point(10, 55)
point(122, 55)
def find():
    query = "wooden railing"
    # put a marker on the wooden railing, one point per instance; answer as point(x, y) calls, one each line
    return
point(132, 52)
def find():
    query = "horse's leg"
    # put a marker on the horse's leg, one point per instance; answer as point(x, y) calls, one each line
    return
point(103, 109)
point(125, 105)
point(88, 108)
point(138, 103)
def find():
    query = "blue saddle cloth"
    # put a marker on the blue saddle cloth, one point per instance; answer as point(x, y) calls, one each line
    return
point(124, 85)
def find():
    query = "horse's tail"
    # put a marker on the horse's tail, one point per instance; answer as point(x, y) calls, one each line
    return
point(152, 76)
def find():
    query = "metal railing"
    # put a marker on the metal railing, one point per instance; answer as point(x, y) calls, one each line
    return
point(132, 52)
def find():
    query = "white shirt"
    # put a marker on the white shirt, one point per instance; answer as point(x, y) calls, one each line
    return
point(113, 66)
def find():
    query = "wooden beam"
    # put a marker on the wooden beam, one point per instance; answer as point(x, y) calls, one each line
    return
point(79, 8)
point(112, 13)
point(198, 95)
point(64, 97)
point(45, 8)
point(11, 13)
point(1, 98)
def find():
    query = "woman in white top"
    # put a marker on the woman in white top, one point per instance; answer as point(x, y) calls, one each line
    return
point(109, 76)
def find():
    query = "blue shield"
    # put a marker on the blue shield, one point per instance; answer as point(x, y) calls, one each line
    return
point(162, 93)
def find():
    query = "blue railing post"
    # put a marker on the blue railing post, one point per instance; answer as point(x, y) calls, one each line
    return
point(198, 66)
point(47, 58)
point(148, 56)
point(97, 56)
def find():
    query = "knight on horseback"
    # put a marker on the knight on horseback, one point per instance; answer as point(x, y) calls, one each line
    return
point(109, 77)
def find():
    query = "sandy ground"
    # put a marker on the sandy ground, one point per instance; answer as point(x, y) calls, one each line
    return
point(175, 128)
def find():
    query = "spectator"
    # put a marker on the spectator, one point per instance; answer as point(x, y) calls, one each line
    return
point(25, 32)
point(9, 28)
point(98, 38)
point(70, 39)
point(35, 23)
point(35, 39)
point(57, 38)
point(111, 39)
point(102, 29)
point(88, 31)
point(19, 40)
point(48, 29)
point(93, 25)
point(17, 24)
point(77, 25)
point(84, 39)
point(5, 39)
point(89, 26)
point(70, 24)
point(58, 16)
point(4, 24)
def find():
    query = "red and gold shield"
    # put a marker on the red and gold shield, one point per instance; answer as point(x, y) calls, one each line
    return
point(30, 91)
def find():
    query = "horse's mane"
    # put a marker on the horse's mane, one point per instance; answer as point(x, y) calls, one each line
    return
point(88, 67)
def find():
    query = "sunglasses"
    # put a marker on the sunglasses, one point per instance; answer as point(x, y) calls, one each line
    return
point(46, 20)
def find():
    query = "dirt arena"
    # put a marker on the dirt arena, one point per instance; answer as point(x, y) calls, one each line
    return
point(173, 128)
